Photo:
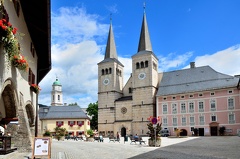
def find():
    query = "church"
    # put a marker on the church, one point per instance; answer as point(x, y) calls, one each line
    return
point(198, 98)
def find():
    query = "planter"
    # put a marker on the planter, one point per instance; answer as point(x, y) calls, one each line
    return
point(90, 139)
point(152, 143)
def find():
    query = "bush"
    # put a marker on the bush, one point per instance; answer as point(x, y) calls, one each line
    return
point(90, 132)
point(47, 133)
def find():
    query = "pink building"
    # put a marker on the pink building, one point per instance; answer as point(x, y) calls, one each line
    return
point(199, 100)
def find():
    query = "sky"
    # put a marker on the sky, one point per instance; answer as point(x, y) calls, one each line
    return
point(206, 32)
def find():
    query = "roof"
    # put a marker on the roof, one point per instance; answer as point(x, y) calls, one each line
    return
point(57, 82)
point(38, 20)
point(62, 112)
point(194, 79)
point(124, 98)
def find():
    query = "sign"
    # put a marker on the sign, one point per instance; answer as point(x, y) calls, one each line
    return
point(154, 120)
point(42, 147)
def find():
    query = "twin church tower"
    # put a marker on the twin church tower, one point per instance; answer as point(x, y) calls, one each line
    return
point(125, 108)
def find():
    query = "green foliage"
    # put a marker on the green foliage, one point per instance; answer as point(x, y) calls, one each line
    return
point(73, 104)
point(47, 133)
point(60, 132)
point(90, 132)
point(92, 111)
point(152, 131)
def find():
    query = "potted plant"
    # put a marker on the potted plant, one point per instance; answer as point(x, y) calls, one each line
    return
point(47, 133)
point(60, 133)
point(90, 135)
point(35, 88)
point(154, 131)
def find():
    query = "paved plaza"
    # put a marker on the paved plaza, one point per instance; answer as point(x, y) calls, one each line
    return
point(227, 147)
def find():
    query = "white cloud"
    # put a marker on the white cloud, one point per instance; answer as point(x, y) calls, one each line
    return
point(224, 61)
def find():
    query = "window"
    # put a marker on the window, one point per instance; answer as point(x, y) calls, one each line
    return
point(102, 71)
point(190, 96)
point(213, 105)
point(231, 118)
point(137, 65)
point(183, 108)
point(58, 97)
point(230, 103)
point(174, 121)
point(59, 123)
point(165, 121)
point(183, 121)
point(164, 98)
point(212, 94)
point(80, 123)
point(200, 106)
point(129, 90)
point(71, 123)
point(17, 7)
point(106, 70)
point(230, 91)
point(192, 120)
point(173, 97)
point(174, 108)
point(31, 77)
point(201, 120)
point(142, 64)
point(110, 70)
point(213, 118)
point(191, 107)
point(182, 97)
point(146, 63)
point(165, 109)
point(154, 66)
point(200, 94)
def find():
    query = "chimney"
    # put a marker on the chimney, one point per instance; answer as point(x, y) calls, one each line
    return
point(192, 64)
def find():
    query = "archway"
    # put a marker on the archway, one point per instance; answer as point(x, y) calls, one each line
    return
point(214, 128)
point(123, 131)
point(183, 132)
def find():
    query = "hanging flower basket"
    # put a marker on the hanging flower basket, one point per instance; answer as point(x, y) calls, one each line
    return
point(20, 62)
point(35, 88)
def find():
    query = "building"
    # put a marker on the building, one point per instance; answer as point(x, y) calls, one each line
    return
point(72, 118)
point(17, 100)
point(199, 98)
point(127, 108)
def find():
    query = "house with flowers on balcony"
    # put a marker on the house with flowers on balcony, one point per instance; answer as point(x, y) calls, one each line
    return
point(24, 45)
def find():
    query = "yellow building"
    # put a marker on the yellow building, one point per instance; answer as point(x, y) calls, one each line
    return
point(72, 118)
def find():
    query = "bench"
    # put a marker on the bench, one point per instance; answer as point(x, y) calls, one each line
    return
point(113, 139)
point(135, 140)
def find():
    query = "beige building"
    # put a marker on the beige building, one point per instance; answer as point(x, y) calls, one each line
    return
point(126, 109)
point(72, 118)
point(24, 60)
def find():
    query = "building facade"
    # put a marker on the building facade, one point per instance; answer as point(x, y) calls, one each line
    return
point(19, 76)
point(199, 101)
point(211, 103)
point(72, 118)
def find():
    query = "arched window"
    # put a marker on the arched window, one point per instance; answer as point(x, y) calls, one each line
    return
point(58, 97)
point(137, 65)
point(110, 70)
point(106, 70)
point(142, 64)
point(102, 71)
point(120, 73)
point(129, 90)
point(146, 63)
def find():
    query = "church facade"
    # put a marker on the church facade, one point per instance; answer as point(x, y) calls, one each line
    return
point(198, 98)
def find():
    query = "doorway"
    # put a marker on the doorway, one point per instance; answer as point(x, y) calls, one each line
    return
point(214, 131)
point(123, 131)
point(183, 132)
point(201, 131)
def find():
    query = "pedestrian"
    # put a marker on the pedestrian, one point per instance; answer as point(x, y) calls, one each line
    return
point(118, 137)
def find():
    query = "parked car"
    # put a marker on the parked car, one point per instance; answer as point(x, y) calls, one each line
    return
point(165, 132)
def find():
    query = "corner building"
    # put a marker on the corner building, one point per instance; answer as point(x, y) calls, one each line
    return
point(195, 98)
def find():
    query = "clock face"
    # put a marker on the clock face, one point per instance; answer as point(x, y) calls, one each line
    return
point(141, 75)
point(106, 81)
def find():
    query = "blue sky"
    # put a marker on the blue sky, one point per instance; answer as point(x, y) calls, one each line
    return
point(204, 31)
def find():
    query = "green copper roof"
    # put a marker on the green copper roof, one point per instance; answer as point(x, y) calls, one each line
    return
point(56, 82)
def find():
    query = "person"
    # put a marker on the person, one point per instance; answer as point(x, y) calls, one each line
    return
point(100, 138)
point(118, 137)
point(136, 137)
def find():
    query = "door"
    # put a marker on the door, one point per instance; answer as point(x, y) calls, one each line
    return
point(123, 131)
point(214, 131)
point(201, 131)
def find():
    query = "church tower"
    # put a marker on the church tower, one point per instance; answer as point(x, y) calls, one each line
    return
point(57, 99)
point(110, 84)
point(145, 79)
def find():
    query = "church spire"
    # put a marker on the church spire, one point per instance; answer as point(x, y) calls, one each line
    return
point(144, 41)
point(111, 51)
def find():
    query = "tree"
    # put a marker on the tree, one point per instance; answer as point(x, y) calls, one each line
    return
point(92, 111)
point(73, 104)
